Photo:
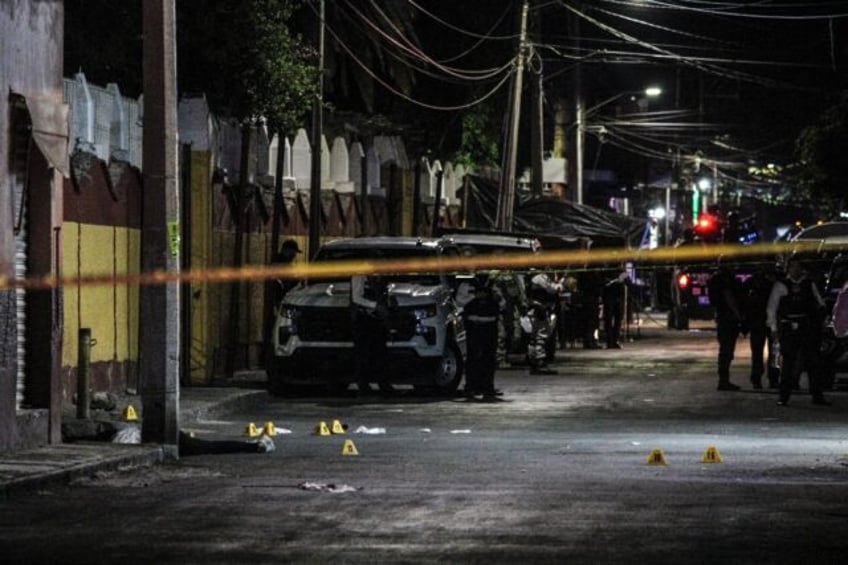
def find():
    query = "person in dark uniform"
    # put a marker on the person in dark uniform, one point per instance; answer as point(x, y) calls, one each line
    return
point(724, 291)
point(275, 291)
point(794, 315)
point(588, 284)
point(369, 300)
point(756, 291)
point(614, 309)
point(481, 326)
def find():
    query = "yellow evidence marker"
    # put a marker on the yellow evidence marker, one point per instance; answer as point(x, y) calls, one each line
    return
point(656, 457)
point(252, 431)
point(711, 455)
point(348, 448)
point(321, 429)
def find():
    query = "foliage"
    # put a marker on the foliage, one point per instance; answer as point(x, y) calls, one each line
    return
point(821, 151)
point(241, 54)
point(480, 138)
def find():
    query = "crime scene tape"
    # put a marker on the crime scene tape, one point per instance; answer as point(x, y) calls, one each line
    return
point(579, 259)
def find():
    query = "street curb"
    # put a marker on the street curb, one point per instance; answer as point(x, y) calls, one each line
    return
point(243, 400)
point(148, 455)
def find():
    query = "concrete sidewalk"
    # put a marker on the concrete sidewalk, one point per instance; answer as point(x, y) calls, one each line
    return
point(38, 468)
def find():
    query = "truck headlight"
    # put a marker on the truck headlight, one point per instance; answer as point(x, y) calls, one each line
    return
point(288, 324)
point(425, 312)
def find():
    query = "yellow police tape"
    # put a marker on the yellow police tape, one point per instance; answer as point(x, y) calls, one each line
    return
point(580, 259)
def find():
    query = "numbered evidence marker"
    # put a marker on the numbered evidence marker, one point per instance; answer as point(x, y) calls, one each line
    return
point(348, 448)
point(711, 455)
point(656, 457)
point(337, 428)
point(321, 429)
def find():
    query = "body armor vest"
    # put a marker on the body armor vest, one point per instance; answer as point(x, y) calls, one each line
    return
point(799, 302)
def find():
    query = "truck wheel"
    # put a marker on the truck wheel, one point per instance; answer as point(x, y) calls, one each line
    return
point(448, 373)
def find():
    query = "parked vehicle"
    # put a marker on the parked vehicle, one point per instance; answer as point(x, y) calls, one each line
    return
point(312, 338)
point(834, 350)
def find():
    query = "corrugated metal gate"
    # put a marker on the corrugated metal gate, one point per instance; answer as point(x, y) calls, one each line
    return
point(21, 140)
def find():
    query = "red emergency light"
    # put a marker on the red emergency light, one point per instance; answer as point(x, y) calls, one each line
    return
point(683, 281)
point(706, 223)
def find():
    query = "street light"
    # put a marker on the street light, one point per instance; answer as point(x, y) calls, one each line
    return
point(582, 114)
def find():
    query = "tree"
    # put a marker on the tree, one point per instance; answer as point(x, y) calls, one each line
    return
point(242, 55)
point(251, 67)
point(480, 138)
point(821, 152)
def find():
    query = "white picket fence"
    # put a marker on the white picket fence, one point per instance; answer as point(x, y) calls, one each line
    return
point(109, 125)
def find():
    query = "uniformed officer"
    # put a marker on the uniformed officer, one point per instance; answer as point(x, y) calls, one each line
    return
point(794, 315)
point(724, 292)
point(369, 299)
point(757, 289)
point(481, 316)
point(543, 294)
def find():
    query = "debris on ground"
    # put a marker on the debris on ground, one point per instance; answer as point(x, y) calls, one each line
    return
point(327, 487)
point(131, 435)
point(370, 431)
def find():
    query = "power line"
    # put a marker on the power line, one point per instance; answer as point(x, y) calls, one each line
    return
point(400, 94)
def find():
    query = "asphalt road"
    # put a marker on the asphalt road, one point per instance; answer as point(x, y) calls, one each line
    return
point(555, 474)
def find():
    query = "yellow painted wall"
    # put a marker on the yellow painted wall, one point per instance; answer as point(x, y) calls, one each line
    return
point(109, 310)
point(201, 245)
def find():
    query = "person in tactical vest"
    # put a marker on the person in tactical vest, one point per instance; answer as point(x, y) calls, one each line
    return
point(724, 291)
point(794, 315)
point(369, 301)
point(481, 316)
point(543, 295)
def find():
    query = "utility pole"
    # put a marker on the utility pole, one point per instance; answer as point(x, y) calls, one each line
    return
point(317, 131)
point(580, 118)
point(537, 141)
point(578, 149)
point(160, 231)
point(507, 195)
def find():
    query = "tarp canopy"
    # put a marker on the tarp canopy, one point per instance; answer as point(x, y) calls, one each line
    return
point(50, 130)
point(544, 215)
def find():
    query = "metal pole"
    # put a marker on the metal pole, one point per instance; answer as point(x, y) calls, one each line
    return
point(317, 131)
point(437, 207)
point(507, 196)
point(416, 198)
point(578, 150)
point(83, 374)
point(363, 193)
point(667, 213)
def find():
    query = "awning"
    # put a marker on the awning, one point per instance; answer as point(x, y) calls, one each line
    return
point(50, 130)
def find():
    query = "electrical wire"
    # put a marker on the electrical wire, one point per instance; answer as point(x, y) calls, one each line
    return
point(729, 13)
point(397, 92)
point(410, 48)
point(712, 69)
point(459, 29)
